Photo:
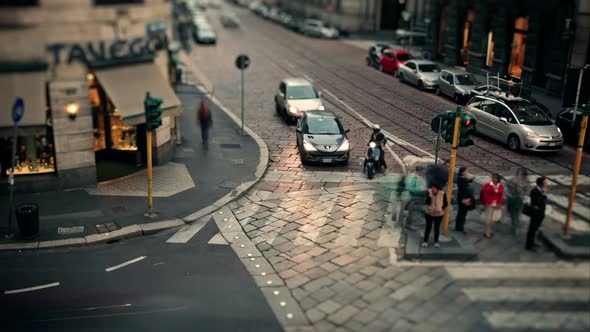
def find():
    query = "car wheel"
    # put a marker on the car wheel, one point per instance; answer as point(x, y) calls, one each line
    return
point(420, 85)
point(401, 77)
point(513, 143)
point(381, 68)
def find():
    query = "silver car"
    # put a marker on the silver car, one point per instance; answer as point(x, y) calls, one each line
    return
point(516, 122)
point(421, 73)
point(456, 84)
point(317, 28)
point(295, 96)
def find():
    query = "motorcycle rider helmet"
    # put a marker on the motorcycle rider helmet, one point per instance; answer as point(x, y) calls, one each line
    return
point(376, 128)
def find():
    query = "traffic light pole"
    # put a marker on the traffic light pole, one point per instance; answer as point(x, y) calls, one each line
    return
point(150, 212)
point(242, 102)
point(580, 147)
point(457, 127)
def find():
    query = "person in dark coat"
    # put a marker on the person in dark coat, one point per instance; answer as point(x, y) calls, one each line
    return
point(204, 119)
point(538, 204)
point(465, 198)
point(436, 203)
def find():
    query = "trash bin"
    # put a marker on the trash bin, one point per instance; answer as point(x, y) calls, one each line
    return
point(27, 218)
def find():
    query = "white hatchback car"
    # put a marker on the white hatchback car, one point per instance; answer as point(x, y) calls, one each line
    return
point(297, 95)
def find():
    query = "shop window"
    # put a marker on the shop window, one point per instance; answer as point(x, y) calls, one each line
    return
point(34, 152)
point(123, 137)
point(518, 46)
point(490, 51)
point(469, 19)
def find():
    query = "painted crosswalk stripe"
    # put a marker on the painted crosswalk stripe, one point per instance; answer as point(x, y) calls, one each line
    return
point(116, 267)
point(350, 232)
point(532, 320)
point(30, 289)
point(529, 294)
point(218, 240)
point(187, 232)
point(309, 233)
point(576, 272)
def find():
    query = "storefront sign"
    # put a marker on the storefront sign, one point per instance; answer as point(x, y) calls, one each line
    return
point(117, 49)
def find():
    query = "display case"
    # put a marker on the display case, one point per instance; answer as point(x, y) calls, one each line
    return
point(35, 155)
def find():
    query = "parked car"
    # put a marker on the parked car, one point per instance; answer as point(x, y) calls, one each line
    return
point(421, 73)
point(295, 96)
point(322, 138)
point(317, 28)
point(392, 59)
point(229, 20)
point(483, 90)
point(570, 128)
point(495, 90)
point(516, 122)
point(456, 84)
point(375, 51)
point(204, 34)
point(295, 24)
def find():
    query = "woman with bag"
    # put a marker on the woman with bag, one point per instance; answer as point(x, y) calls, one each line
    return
point(436, 203)
point(492, 198)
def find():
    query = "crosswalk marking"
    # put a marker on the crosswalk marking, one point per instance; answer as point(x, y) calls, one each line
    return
point(350, 232)
point(218, 240)
point(528, 294)
point(187, 232)
point(532, 320)
point(309, 233)
point(581, 271)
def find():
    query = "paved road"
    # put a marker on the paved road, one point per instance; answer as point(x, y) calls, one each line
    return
point(195, 286)
point(349, 86)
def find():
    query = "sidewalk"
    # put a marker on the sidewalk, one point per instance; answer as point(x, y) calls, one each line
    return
point(194, 179)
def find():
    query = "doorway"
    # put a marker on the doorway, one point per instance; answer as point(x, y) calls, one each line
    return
point(469, 18)
point(391, 13)
point(440, 50)
point(518, 46)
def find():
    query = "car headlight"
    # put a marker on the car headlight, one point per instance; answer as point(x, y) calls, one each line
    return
point(559, 131)
point(308, 146)
point(293, 109)
point(531, 133)
point(322, 108)
point(345, 146)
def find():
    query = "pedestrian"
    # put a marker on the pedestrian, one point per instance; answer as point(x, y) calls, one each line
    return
point(436, 203)
point(465, 198)
point(205, 121)
point(492, 198)
point(517, 190)
point(538, 204)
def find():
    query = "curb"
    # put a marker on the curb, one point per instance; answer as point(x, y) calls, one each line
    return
point(137, 230)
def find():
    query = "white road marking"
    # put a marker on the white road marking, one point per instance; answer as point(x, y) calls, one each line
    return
point(108, 307)
point(218, 239)
point(528, 294)
point(307, 77)
point(158, 263)
point(351, 231)
point(390, 136)
point(187, 232)
point(531, 320)
point(113, 268)
point(30, 289)
point(311, 231)
point(113, 315)
point(520, 271)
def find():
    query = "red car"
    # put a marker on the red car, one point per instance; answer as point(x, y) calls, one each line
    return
point(391, 59)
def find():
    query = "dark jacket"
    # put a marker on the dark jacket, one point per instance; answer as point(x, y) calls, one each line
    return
point(464, 189)
point(538, 202)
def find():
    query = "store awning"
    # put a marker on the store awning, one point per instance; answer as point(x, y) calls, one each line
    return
point(126, 86)
point(30, 86)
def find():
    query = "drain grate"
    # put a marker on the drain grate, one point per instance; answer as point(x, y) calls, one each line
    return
point(106, 227)
point(230, 146)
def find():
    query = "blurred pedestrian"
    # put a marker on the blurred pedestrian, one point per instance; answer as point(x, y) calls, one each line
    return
point(517, 190)
point(465, 198)
point(436, 203)
point(205, 121)
point(538, 204)
point(492, 198)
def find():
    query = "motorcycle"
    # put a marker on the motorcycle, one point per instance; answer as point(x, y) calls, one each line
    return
point(372, 162)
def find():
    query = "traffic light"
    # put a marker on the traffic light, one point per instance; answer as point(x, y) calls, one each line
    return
point(447, 126)
point(467, 128)
point(153, 111)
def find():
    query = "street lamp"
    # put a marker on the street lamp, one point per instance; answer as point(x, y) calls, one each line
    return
point(72, 110)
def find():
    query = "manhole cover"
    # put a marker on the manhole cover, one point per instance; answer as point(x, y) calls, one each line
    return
point(106, 227)
point(70, 230)
point(230, 146)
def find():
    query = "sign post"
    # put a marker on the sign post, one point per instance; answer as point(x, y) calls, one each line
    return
point(18, 110)
point(242, 62)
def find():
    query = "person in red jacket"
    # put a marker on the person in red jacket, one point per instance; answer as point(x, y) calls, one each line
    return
point(492, 198)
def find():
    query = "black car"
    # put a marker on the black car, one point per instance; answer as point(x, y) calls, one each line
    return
point(570, 132)
point(321, 138)
point(375, 51)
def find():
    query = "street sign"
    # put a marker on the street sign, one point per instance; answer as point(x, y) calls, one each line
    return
point(18, 110)
point(435, 123)
point(242, 61)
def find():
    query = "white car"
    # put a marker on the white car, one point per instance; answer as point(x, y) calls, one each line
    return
point(295, 96)
point(421, 73)
point(317, 28)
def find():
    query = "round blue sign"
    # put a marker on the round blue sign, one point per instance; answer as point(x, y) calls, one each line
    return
point(18, 109)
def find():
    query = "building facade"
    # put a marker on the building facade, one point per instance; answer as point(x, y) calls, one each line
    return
point(82, 68)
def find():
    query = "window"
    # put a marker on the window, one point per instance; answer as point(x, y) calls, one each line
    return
point(389, 55)
point(301, 92)
point(429, 68)
point(323, 126)
point(116, 2)
point(19, 3)
point(465, 79)
point(503, 112)
point(404, 56)
point(411, 65)
point(530, 114)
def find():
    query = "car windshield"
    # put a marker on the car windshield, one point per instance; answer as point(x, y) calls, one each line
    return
point(530, 114)
point(301, 92)
point(322, 125)
point(429, 68)
point(404, 57)
point(465, 79)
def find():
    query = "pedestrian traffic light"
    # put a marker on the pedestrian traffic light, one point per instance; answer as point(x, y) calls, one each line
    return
point(467, 128)
point(153, 111)
point(448, 126)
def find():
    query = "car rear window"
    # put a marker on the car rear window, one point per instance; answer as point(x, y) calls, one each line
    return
point(301, 92)
point(322, 125)
point(429, 68)
point(465, 79)
point(404, 57)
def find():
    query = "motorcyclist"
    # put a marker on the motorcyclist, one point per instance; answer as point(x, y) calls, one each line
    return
point(379, 139)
